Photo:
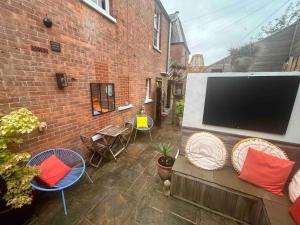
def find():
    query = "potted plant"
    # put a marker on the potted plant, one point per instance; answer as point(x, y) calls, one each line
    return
point(179, 110)
point(165, 162)
point(15, 176)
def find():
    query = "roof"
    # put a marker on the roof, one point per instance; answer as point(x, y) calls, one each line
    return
point(163, 10)
point(270, 53)
point(177, 33)
point(295, 50)
point(223, 64)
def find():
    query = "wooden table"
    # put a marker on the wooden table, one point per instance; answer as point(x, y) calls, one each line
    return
point(111, 133)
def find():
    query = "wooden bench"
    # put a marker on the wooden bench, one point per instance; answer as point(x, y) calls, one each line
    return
point(222, 192)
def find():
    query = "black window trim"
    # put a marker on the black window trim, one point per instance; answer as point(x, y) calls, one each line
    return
point(99, 84)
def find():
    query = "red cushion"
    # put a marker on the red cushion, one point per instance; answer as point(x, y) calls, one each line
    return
point(53, 170)
point(266, 171)
point(295, 210)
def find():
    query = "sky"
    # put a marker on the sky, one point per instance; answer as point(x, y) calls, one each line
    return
point(212, 27)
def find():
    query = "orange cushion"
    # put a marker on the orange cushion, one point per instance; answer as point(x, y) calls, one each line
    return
point(53, 170)
point(295, 211)
point(266, 171)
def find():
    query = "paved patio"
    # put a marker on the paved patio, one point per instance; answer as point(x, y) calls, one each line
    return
point(128, 192)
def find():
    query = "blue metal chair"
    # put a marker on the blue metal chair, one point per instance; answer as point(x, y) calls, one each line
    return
point(70, 158)
point(147, 130)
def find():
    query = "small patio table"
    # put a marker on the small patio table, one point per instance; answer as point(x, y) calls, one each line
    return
point(113, 133)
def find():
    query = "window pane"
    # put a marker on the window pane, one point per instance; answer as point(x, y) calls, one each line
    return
point(148, 88)
point(155, 39)
point(111, 97)
point(104, 98)
point(156, 30)
point(103, 4)
point(109, 90)
point(155, 21)
point(95, 95)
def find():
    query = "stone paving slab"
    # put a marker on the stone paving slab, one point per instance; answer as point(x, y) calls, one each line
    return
point(126, 192)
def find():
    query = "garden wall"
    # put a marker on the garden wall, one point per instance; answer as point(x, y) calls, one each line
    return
point(195, 100)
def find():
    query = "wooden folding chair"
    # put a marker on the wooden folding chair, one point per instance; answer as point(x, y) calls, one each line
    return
point(97, 146)
point(126, 136)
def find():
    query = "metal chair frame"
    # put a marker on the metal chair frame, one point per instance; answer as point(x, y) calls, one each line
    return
point(69, 157)
point(127, 136)
point(98, 148)
point(146, 130)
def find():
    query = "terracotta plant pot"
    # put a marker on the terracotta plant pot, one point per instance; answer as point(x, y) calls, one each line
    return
point(164, 172)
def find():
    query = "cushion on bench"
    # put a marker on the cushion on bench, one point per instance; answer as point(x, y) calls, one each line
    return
point(266, 171)
point(225, 181)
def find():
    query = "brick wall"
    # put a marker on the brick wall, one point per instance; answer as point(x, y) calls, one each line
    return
point(179, 53)
point(93, 50)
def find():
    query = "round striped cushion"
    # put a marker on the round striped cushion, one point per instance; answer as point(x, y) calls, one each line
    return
point(294, 187)
point(206, 151)
point(240, 150)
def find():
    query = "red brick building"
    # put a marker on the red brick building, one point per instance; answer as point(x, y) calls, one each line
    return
point(123, 44)
point(179, 48)
point(179, 53)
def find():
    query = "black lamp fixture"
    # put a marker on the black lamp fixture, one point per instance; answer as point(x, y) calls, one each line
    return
point(47, 21)
point(61, 80)
point(164, 74)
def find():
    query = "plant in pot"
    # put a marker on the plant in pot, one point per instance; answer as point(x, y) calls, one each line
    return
point(165, 162)
point(15, 176)
point(179, 110)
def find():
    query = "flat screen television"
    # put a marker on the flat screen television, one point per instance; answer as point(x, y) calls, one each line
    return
point(260, 103)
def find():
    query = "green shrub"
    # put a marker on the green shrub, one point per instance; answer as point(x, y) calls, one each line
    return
point(165, 149)
point(13, 169)
point(179, 107)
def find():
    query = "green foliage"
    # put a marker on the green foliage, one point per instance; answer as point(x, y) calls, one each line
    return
point(12, 165)
point(291, 15)
point(165, 149)
point(179, 107)
point(177, 71)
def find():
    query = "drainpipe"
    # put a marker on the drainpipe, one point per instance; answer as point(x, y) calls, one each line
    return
point(169, 48)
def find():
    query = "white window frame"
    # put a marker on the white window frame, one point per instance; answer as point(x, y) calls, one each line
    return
point(156, 30)
point(97, 6)
point(148, 91)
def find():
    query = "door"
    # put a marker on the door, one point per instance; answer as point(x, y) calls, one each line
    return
point(168, 94)
point(158, 102)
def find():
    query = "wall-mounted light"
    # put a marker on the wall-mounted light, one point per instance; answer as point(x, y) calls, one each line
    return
point(47, 21)
point(164, 74)
point(61, 80)
point(43, 127)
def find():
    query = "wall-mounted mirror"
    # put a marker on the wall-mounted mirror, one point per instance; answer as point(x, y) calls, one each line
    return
point(102, 98)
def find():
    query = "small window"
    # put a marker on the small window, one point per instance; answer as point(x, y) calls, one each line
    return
point(104, 4)
point(148, 89)
point(101, 6)
point(179, 89)
point(156, 32)
point(103, 98)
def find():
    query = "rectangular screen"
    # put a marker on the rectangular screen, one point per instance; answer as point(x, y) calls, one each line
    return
point(251, 103)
